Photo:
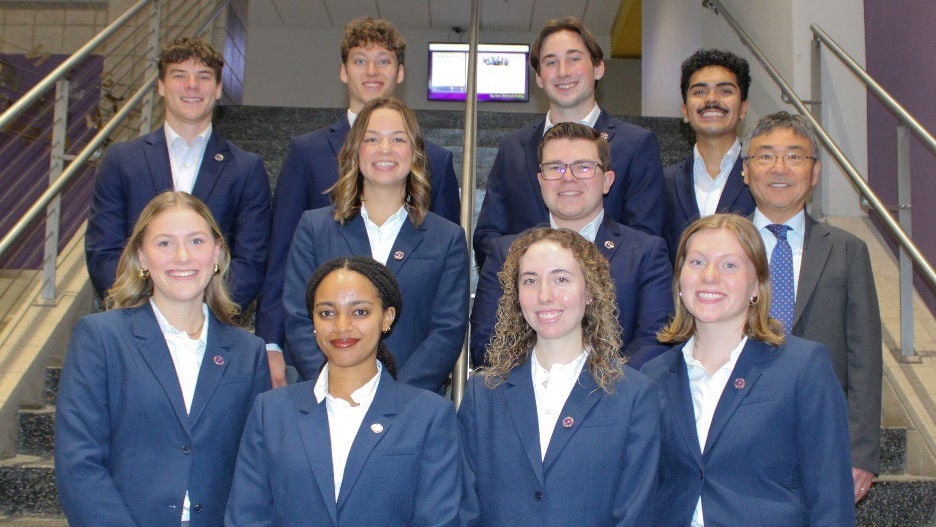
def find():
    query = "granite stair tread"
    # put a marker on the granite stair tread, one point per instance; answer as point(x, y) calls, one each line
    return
point(36, 431)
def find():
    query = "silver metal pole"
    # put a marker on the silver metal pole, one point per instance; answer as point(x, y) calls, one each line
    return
point(904, 212)
point(152, 57)
point(460, 373)
point(815, 203)
point(53, 211)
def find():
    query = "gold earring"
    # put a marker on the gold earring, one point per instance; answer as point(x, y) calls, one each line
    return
point(217, 269)
point(143, 274)
point(754, 300)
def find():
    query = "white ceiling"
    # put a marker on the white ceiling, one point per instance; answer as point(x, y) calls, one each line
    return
point(496, 15)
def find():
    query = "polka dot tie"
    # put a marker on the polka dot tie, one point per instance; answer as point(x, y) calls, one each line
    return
point(781, 276)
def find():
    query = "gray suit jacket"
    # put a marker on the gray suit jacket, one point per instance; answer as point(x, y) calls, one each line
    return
point(836, 305)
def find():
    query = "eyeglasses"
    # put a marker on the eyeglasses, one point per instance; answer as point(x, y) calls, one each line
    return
point(580, 169)
point(792, 160)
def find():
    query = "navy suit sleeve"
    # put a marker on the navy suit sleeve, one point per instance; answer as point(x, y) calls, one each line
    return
point(250, 235)
point(300, 265)
point(251, 499)
point(822, 439)
point(644, 197)
point(484, 309)
point(634, 502)
point(492, 219)
point(445, 199)
point(438, 486)
point(654, 304)
point(289, 202)
point(469, 514)
point(86, 489)
point(432, 361)
point(107, 222)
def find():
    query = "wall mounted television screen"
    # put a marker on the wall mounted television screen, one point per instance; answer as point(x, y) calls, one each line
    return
point(502, 72)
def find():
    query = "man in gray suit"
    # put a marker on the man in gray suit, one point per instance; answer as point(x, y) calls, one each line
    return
point(830, 295)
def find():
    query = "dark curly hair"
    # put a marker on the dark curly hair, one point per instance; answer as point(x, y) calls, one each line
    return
point(716, 57)
point(381, 278)
point(184, 49)
point(365, 30)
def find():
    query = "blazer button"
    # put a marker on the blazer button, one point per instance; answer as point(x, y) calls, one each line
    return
point(187, 449)
point(538, 496)
point(196, 507)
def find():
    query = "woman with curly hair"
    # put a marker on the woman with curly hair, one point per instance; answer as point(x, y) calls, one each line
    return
point(557, 430)
point(380, 208)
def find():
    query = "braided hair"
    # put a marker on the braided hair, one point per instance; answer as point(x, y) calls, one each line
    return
point(387, 289)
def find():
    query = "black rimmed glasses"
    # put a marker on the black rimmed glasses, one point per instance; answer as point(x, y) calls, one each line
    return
point(792, 159)
point(580, 169)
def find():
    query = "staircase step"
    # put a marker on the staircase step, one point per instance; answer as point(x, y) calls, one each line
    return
point(33, 521)
point(36, 431)
point(27, 486)
point(52, 376)
point(899, 501)
point(893, 450)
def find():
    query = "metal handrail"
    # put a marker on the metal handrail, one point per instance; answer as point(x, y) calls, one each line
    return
point(923, 265)
point(895, 107)
point(460, 373)
point(64, 68)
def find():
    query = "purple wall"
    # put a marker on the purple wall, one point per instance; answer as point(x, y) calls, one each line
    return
point(24, 150)
point(900, 44)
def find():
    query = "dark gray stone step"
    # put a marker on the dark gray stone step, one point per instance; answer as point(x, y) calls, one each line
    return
point(52, 375)
point(27, 486)
point(893, 450)
point(899, 501)
point(36, 432)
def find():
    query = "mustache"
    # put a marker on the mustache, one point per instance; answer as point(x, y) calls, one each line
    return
point(713, 107)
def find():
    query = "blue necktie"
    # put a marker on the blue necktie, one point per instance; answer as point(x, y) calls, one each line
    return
point(781, 276)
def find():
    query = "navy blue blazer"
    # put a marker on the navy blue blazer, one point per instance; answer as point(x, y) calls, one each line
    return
point(513, 201)
point(311, 168)
point(777, 451)
point(232, 182)
point(600, 470)
point(125, 449)
point(643, 280)
point(430, 262)
point(403, 468)
point(682, 207)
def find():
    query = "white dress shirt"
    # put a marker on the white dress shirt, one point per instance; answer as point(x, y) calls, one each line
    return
point(351, 118)
point(796, 237)
point(707, 190)
point(187, 355)
point(706, 390)
point(589, 231)
point(551, 388)
point(381, 237)
point(344, 420)
point(185, 159)
point(589, 120)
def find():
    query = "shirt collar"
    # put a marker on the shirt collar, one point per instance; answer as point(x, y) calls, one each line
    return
point(167, 329)
point(589, 231)
point(397, 217)
point(589, 120)
point(569, 371)
point(727, 162)
point(362, 396)
point(689, 356)
point(172, 135)
point(351, 118)
point(797, 223)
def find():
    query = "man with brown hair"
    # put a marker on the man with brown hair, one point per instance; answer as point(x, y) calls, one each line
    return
point(568, 63)
point(372, 58)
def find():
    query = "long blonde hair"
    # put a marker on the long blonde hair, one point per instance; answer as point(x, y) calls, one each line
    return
point(346, 193)
point(513, 338)
point(758, 325)
point(130, 290)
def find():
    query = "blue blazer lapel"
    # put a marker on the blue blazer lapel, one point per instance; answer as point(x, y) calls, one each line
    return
point(157, 161)
point(816, 250)
point(152, 346)
point(748, 368)
point(337, 134)
point(605, 124)
point(215, 159)
point(355, 235)
point(213, 366)
point(608, 238)
point(383, 411)
point(676, 385)
point(312, 421)
point(406, 242)
point(585, 394)
point(733, 188)
point(532, 162)
point(685, 191)
point(522, 407)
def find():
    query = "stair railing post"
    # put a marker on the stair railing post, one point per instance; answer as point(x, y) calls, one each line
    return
point(152, 59)
point(815, 203)
point(54, 208)
point(904, 190)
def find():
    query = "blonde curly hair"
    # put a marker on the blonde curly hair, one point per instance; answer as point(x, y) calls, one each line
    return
point(514, 339)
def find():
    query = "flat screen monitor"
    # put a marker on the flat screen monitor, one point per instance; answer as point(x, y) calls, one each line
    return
point(502, 72)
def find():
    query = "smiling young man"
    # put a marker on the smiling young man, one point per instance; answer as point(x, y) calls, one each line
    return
point(821, 276)
point(185, 154)
point(568, 63)
point(372, 58)
point(714, 86)
point(573, 178)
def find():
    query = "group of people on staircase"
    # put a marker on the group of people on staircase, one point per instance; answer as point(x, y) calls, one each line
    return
point(676, 347)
